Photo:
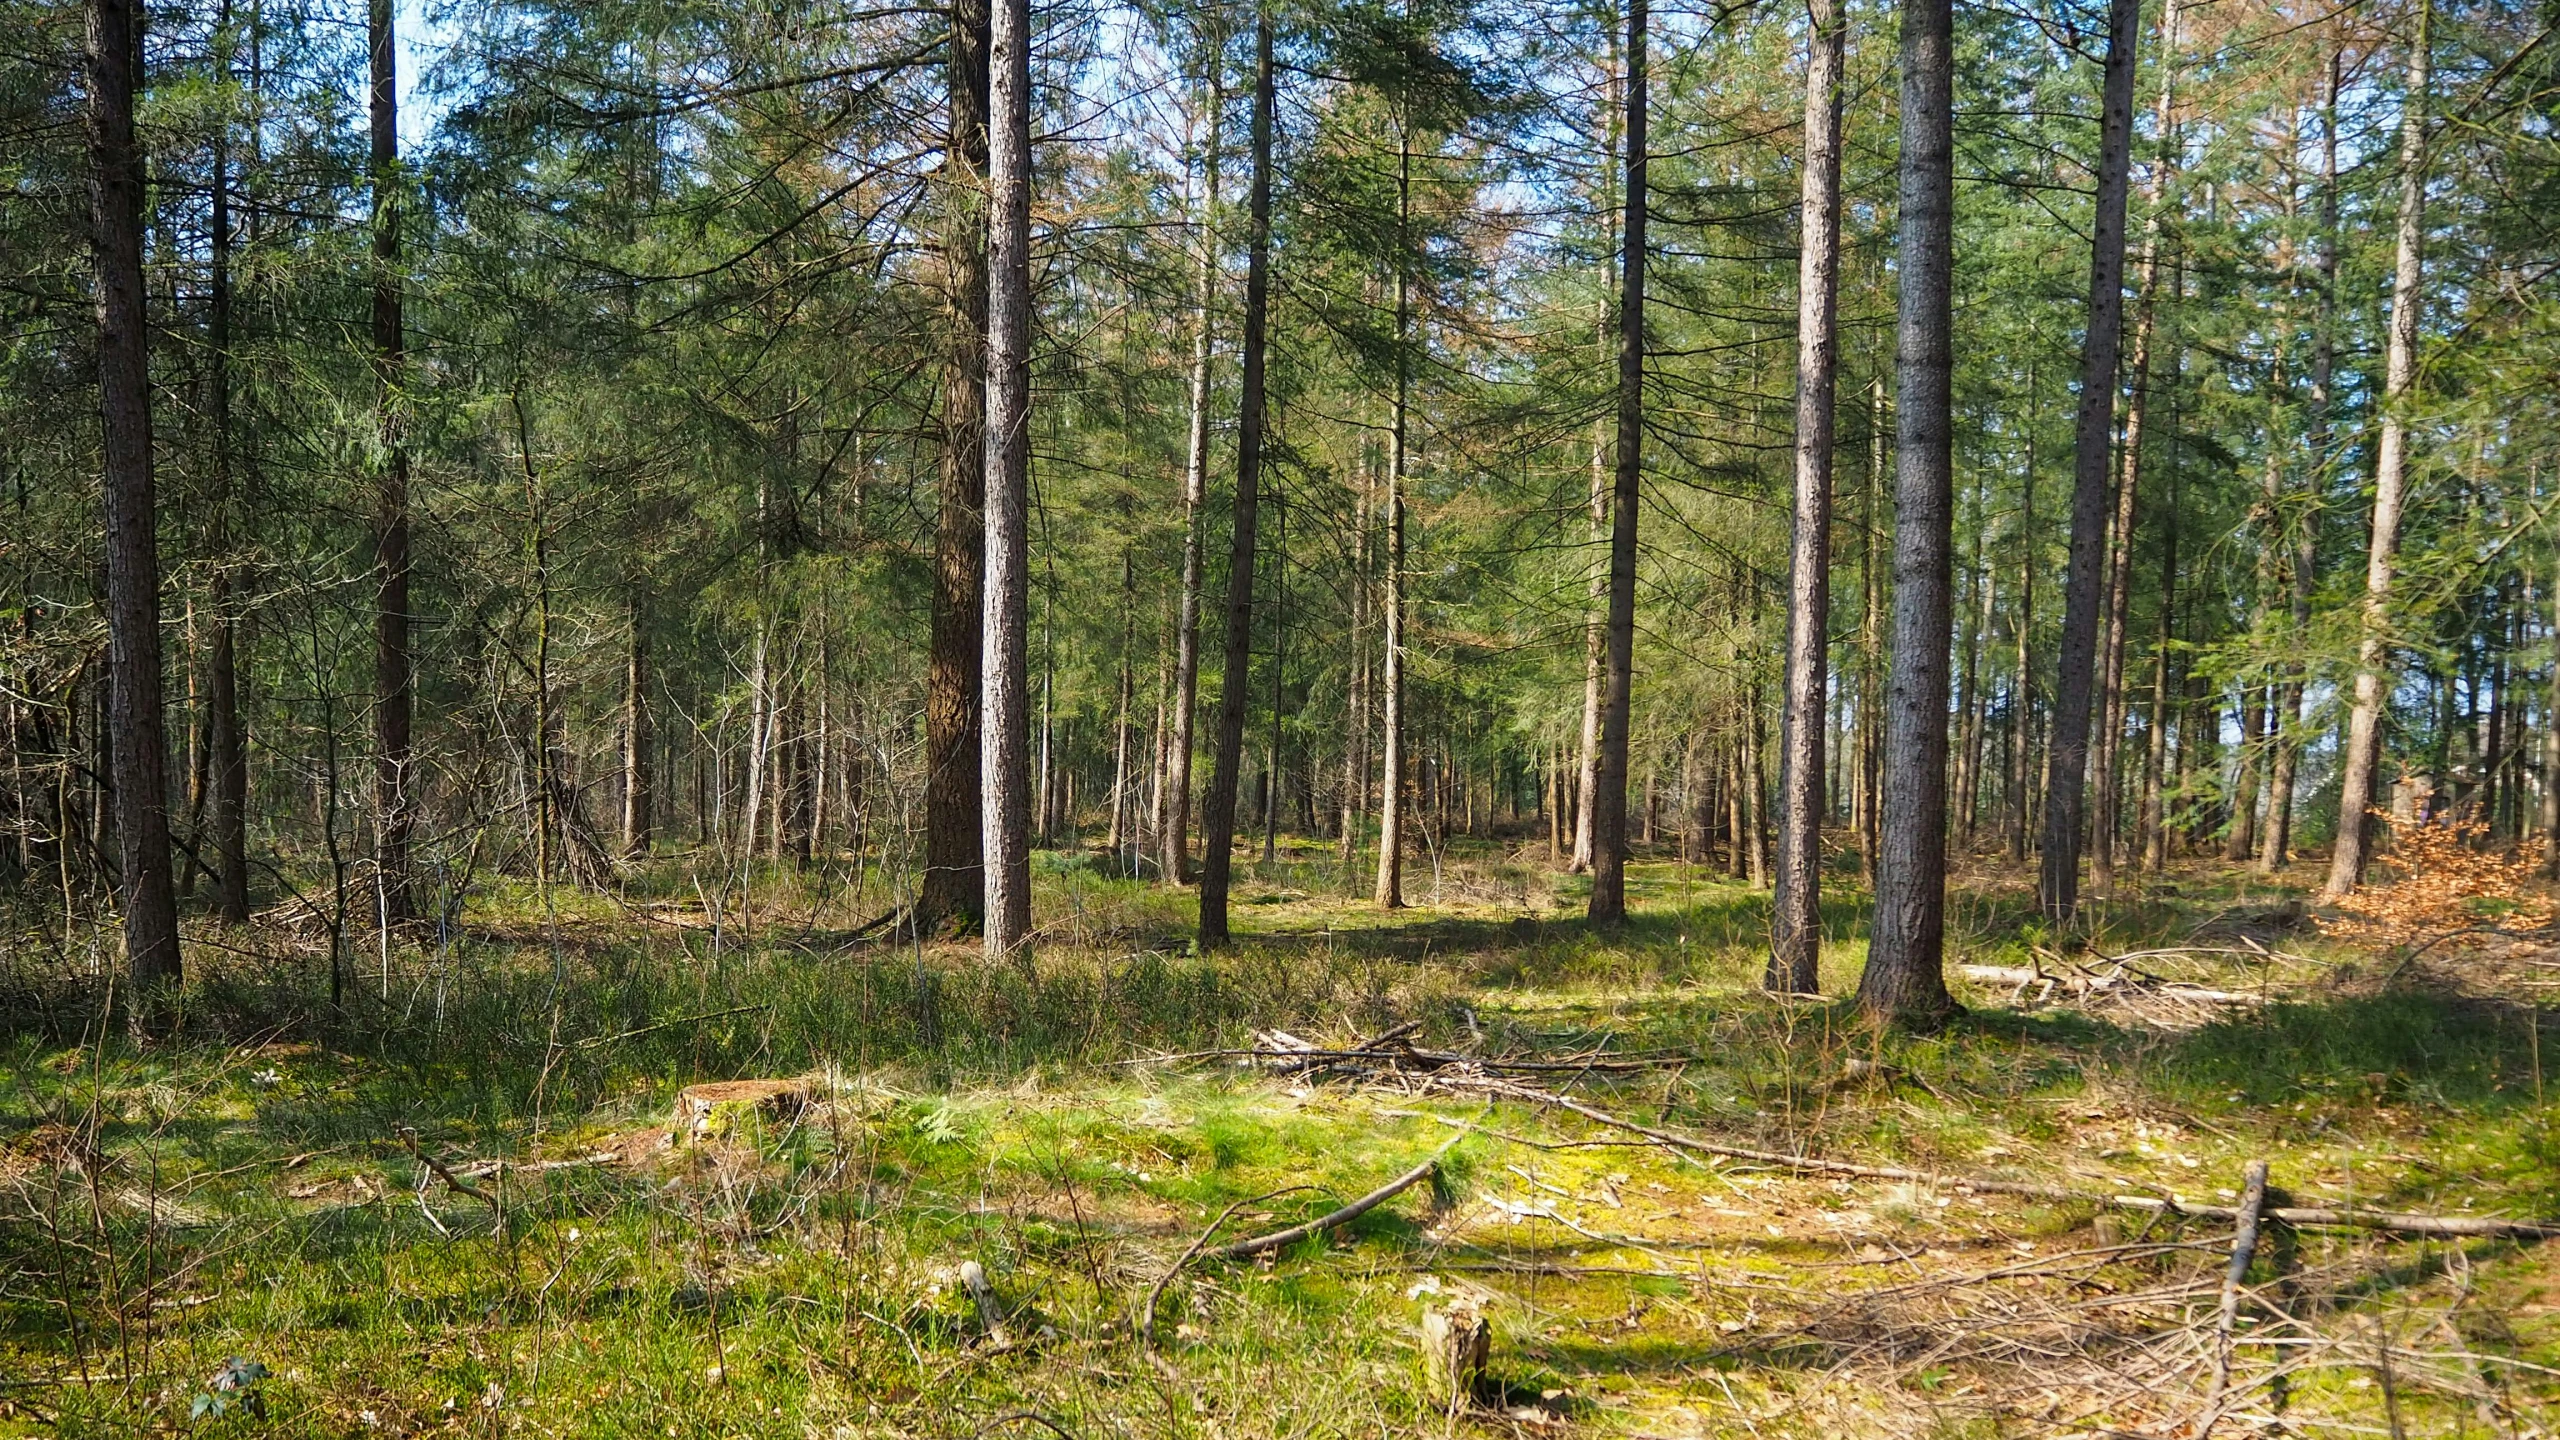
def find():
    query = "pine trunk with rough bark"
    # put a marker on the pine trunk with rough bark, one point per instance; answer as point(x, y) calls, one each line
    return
point(137, 740)
point(1905, 977)
point(1389, 890)
point(1174, 838)
point(2067, 752)
point(1218, 828)
point(952, 893)
point(226, 747)
point(1609, 796)
point(1004, 681)
point(2360, 765)
point(394, 673)
point(1795, 939)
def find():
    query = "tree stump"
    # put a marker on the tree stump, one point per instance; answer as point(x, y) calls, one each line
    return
point(711, 1112)
point(1457, 1343)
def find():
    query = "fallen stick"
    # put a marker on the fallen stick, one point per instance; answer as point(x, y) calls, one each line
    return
point(1147, 1316)
point(2244, 1248)
point(1416, 1059)
point(1244, 1249)
point(460, 1186)
point(2482, 1227)
point(2019, 975)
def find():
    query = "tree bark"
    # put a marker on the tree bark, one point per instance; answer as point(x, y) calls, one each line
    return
point(1609, 797)
point(1389, 891)
point(394, 671)
point(1175, 839)
point(226, 750)
point(2360, 765)
point(1905, 977)
point(2113, 709)
point(2277, 848)
point(1595, 655)
point(1795, 938)
point(952, 894)
point(2067, 752)
point(638, 796)
point(1355, 744)
point(137, 741)
point(1004, 676)
point(1219, 822)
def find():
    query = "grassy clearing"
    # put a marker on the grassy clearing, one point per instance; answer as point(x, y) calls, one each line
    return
point(246, 1190)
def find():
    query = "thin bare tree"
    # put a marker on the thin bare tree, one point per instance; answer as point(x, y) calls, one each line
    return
point(1004, 685)
point(1174, 843)
point(1608, 811)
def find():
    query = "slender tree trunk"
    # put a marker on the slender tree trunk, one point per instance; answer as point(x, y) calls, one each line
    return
point(952, 894)
point(2360, 764)
point(1123, 813)
point(2105, 822)
point(638, 796)
point(1795, 939)
point(1609, 797)
point(1004, 679)
point(1389, 891)
point(2067, 754)
point(137, 740)
point(1279, 672)
point(2551, 751)
point(1219, 822)
point(2277, 850)
point(2240, 839)
point(1175, 837)
point(2022, 678)
point(1869, 762)
point(2154, 828)
point(1595, 654)
point(1905, 977)
point(226, 750)
point(1355, 744)
point(394, 675)
point(1976, 706)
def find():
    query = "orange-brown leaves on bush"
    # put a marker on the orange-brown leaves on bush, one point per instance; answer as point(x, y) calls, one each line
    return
point(2446, 880)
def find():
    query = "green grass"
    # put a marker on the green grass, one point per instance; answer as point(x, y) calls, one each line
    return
point(805, 1283)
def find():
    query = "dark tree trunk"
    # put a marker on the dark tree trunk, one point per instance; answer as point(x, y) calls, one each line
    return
point(394, 673)
point(226, 750)
point(2067, 754)
point(1218, 827)
point(1608, 818)
point(1004, 678)
point(953, 891)
point(1905, 976)
point(1795, 939)
point(638, 796)
point(137, 741)
point(2112, 707)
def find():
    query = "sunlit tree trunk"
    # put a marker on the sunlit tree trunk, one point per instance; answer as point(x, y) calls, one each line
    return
point(2361, 762)
point(1004, 777)
point(1389, 890)
point(1904, 978)
point(1174, 838)
point(1795, 938)
point(226, 748)
point(952, 892)
point(2067, 751)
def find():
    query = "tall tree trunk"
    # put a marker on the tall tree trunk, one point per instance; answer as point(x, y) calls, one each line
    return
point(1609, 797)
point(1969, 763)
point(1123, 811)
point(226, 749)
point(394, 673)
point(1905, 976)
point(1389, 891)
point(1219, 822)
point(2022, 691)
point(2153, 832)
point(638, 808)
point(2551, 751)
point(1355, 744)
point(1004, 677)
point(1869, 761)
point(2361, 764)
point(2105, 822)
point(1595, 654)
point(1279, 672)
point(2067, 755)
point(952, 894)
point(2277, 849)
point(1174, 839)
point(1795, 932)
point(137, 741)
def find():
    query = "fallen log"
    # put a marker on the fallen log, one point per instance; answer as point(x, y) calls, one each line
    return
point(2020, 977)
point(1277, 1239)
point(2476, 1227)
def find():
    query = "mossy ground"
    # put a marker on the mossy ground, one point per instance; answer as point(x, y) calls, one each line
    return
point(246, 1188)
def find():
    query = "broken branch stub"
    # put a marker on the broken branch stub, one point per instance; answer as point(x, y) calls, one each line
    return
point(1457, 1345)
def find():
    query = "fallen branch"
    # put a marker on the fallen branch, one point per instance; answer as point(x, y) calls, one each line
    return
point(2442, 1226)
point(1277, 1239)
point(1403, 1058)
point(2244, 1248)
point(443, 1172)
point(2021, 976)
point(1147, 1315)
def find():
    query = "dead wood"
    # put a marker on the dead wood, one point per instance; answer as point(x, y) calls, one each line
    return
point(2244, 1248)
point(1245, 1249)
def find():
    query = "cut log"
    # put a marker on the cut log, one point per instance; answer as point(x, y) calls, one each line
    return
point(707, 1112)
point(974, 1276)
point(1457, 1344)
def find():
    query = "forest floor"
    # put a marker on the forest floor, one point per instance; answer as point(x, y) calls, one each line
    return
point(466, 1199)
